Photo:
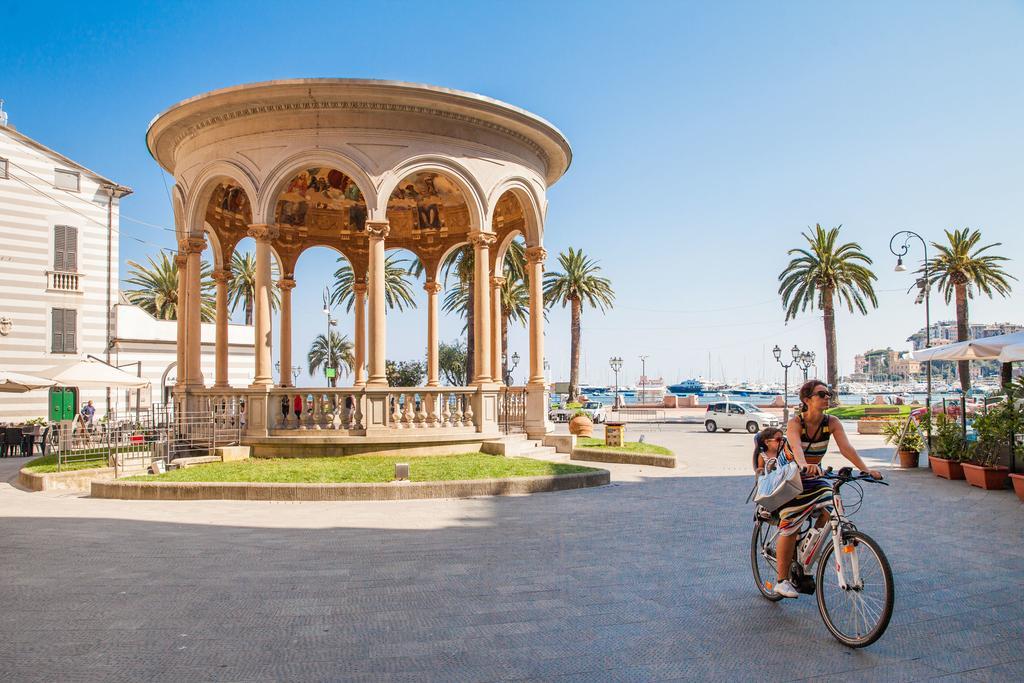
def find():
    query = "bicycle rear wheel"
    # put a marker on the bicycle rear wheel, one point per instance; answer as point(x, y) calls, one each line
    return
point(762, 560)
point(859, 614)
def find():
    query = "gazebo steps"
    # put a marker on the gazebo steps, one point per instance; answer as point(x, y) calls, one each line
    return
point(518, 445)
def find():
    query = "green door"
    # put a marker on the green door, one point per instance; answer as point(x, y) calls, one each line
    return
point(62, 404)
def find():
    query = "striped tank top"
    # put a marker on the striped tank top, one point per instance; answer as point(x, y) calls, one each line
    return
point(815, 445)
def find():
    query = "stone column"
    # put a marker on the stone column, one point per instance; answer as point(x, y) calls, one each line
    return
point(377, 232)
point(181, 261)
point(432, 288)
point(537, 424)
point(535, 257)
point(193, 315)
point(286, 285)
point(263, 234)
point(481, 301)
point(359, 294)
point(497, 282)
point(222, 278)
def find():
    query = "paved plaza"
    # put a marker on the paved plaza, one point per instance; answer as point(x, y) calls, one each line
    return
point(645, 579)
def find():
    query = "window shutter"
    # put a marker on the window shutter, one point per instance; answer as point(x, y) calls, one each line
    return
point(57, 330)
point(59, 246)
point(70, 320)
point(70, 249)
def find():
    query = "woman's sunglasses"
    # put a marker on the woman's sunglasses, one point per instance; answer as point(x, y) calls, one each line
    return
point(823, 394)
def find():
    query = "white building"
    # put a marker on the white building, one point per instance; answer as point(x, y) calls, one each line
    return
point(141, 338)
point(59, 256)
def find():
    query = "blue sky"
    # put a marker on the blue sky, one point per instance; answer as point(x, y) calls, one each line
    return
point(706, 137)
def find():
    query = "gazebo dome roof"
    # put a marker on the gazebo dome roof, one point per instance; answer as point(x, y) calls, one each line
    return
point(345, 102)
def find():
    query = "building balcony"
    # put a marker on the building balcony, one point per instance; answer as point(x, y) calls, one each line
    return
point(63, 281)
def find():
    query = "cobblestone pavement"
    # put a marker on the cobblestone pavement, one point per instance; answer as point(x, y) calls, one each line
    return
point(646, 579)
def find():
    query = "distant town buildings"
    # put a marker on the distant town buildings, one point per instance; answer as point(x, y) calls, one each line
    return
point(944, 332)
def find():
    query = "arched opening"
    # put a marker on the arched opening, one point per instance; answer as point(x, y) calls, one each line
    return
point(323, 317)
point(427, 205)
point(511, 301)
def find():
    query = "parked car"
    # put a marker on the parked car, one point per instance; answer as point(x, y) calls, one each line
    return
point(595, 411)
point(730, 415)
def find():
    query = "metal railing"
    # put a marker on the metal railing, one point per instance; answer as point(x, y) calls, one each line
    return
point(512, 409)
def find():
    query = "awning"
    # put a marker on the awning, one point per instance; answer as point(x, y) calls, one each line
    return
point(989, 348)
point(94, 374)
point(17, 383)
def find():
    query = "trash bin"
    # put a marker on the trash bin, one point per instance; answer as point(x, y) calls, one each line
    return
point(614, 433)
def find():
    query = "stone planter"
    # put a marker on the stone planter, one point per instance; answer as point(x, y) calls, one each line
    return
point(988, 478)
point(1018, 485)
point(909, 459)
point(945, 468)
point(581, 425)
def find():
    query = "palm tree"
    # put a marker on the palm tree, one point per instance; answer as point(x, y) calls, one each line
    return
point(821, 273)
point(243, 284)
point(578, 283)
point(157, 284)
point(960, 268)
point(338, 355)
point(397, 288)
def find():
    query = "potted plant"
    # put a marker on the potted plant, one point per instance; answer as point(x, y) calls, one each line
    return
point(907, 440)
point(995, 429)
point(948, 448)
point(580, 424)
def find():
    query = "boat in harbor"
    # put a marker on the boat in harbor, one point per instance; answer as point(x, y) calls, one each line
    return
point(687, 386)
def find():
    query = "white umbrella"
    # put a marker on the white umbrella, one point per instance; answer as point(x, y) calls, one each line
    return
point(1011, 353)
point(94, 374)
point(988, 348)
point(17, 383)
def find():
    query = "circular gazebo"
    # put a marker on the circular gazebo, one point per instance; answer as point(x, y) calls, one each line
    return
point(359, 166)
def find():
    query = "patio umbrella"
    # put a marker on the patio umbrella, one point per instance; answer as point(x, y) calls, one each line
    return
point(17, 383)
point(1012, 353)
point(94, 374)
point(988, 348)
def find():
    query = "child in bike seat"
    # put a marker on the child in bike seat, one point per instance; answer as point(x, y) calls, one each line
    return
point(767, 444)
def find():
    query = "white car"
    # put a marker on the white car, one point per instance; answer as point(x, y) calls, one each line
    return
point(594, 410)
point(730, 415)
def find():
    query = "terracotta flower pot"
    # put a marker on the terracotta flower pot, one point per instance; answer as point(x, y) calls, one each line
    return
point(1018, 485)
point(909, 459)
point(988, 478)
point(945, 468)
point(581, 425)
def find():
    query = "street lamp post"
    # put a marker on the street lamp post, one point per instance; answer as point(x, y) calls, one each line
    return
point(926, 287)
point(777, 352)
point(514, 364)
point(805, 361)
point(616, 364)
point(331, 322)
point(643, 378)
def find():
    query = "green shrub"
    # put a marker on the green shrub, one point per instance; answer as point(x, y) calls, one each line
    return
point(903, 437)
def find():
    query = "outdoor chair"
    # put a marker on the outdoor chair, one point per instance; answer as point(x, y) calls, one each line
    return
point(12, 441)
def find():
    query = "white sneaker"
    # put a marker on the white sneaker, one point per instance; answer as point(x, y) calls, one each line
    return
point(785, 589)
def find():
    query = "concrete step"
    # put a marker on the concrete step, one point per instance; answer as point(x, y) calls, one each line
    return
point(182, 463)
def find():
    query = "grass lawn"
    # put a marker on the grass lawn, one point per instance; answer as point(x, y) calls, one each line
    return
point(857, 412)
point(367, 469)
point(628, 447)
point(48, 463)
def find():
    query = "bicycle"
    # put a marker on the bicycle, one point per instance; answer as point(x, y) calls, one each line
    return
point(856, 599)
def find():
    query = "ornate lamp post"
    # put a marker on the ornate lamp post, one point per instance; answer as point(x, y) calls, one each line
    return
point(925, 293)
point(777, 352)
point(616, 364)
point(514, 360)
point(805, 361)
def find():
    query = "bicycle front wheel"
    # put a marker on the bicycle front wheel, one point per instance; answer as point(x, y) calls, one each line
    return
point(858, 614)
point(762, 559)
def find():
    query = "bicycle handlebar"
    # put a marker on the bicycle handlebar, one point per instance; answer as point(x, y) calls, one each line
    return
point(845, 474)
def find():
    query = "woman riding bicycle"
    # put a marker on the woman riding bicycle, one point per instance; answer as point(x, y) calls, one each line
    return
point(808, 434)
